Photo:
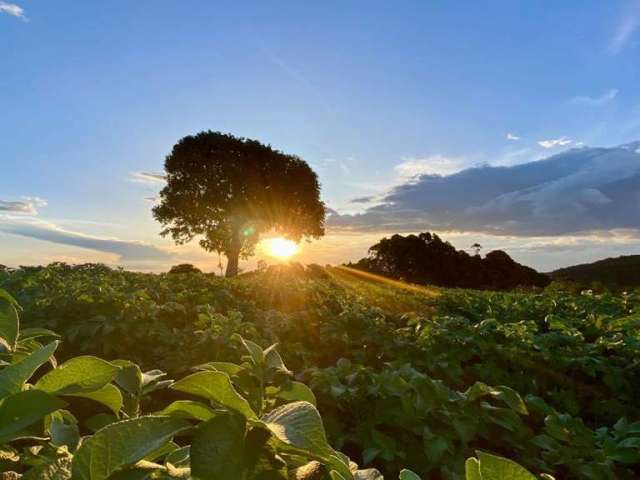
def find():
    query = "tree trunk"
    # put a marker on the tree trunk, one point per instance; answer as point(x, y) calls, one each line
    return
point(233, 254)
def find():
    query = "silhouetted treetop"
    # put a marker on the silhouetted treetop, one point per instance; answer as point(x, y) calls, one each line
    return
point(426, 259)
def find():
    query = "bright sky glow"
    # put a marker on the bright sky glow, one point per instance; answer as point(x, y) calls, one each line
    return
point(281, 248)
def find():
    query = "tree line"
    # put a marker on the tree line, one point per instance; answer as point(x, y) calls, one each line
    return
point(427, 259)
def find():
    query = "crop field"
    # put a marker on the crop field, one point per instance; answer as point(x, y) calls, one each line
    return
point(302, 373)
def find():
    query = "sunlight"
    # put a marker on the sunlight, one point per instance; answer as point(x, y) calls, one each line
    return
point(281, 247)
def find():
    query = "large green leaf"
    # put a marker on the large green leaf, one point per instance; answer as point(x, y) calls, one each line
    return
point(215, 386)
point(493, 467)
point(23, 409)
point(122, 444)
point(130, 376)
point(293, 392)
point(109, 396)
point(472, 469)
point(217, 450)
point(9, 321)
point(408, 475)
point(78, 375)
point(189, 409)
point(299, 424)
point(13, 377)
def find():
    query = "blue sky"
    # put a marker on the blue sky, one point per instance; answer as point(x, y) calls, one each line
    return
point(371, 94)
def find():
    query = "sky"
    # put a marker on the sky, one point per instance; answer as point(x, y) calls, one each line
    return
point(497, 122)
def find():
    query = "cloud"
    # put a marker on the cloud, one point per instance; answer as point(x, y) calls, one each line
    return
point(597, 101)
point(126, 250)
point(557, 142)
point(412, 168)
point(147, 177)
point(627, 27)
point(366, 199)
point(573, 192)
point(13, 10)
point(511, 136)
point(28, 205)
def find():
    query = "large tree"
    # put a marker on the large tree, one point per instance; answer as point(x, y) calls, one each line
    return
point(226, 190)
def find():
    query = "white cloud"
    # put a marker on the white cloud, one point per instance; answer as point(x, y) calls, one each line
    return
point(627, 27)
point(597, 101)
point(511, 136)
point(412, 168)
point(147, 177)
point(13, 10)
point(28, 205)
point(557, 142)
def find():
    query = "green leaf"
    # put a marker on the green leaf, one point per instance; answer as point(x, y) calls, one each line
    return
point(299, 424)
point(188, 409)
point(31, 333)
point(408, 475)
point(130, 376)
point(230, 368)
point(293, 392)
point(122, 444)
point(9, 322)
point(367, 474)
point(493, 467)
point(472, 469)
point(63, 429)
point(23, 409)
point(506, 394)
point(273, 360)
point(255, 350)
point(217, 450)
point(78, 375)
point(13, 377)
point(215, 386)
point(109, 396)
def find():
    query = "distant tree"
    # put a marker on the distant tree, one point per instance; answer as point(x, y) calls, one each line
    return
point(476, 247)
point(262, 266)
point(227, 190)
point(184, 268)
point(427, 259)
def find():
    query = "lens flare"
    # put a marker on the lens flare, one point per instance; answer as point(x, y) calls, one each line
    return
point(281, 247)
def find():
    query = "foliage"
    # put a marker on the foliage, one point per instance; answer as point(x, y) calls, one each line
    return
point(226, 190)
point(247, 421)
point(426, 259)
point(184, 268)
point(617, 272)
point(404, 376)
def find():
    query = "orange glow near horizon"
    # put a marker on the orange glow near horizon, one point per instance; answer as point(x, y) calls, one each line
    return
point(280, 247)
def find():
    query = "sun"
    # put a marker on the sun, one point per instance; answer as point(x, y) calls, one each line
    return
point(281, 247)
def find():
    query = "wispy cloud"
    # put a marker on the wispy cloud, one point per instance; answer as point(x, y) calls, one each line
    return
point(13, 10)
point(511, 136)
point(147, 177)
point(412, 168)
point(628, 26)
point(28, 205)
point(555, 142)
point(125, 250)
point(597, 101)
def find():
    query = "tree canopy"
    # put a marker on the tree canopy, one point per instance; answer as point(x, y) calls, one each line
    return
point(426, 259)
point(227, 190)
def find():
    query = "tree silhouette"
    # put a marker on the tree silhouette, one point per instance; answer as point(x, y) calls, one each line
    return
point(427, 259)
point(227, 190)
point(476, 247)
